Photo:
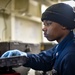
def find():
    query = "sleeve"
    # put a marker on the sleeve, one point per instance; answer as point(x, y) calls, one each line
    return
point(42, 61)
point(69, 65)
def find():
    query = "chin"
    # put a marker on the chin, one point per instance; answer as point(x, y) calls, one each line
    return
point(50, 39)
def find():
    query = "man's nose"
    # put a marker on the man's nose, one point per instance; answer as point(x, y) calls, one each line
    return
point(44, 28)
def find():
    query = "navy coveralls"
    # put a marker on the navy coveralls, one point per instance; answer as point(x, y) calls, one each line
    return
point(60, 59)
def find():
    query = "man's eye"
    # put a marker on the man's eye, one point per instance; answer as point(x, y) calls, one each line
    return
point(48, 23)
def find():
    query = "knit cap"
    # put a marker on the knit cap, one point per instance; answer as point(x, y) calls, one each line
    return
point(61, 13)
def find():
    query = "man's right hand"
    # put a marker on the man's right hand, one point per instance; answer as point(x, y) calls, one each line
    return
point(15, 52)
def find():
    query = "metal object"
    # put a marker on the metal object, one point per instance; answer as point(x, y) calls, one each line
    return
point(13, 61)
point(6, 64)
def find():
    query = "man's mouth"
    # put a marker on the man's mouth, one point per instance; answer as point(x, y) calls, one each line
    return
point(45, 35)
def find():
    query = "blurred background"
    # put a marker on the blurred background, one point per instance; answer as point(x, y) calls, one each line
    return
point(21, 27)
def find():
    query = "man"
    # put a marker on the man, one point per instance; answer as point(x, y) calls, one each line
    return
point(59, 22)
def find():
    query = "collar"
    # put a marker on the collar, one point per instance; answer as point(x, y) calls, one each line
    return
point(64, 43)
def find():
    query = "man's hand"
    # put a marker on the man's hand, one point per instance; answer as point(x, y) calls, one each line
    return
point(11, 53)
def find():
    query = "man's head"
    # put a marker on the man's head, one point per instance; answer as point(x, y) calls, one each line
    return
point(62, 16)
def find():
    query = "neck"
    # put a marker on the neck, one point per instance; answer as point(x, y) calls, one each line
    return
point(64, 34)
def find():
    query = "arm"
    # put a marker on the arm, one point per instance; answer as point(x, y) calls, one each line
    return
point(42, 61)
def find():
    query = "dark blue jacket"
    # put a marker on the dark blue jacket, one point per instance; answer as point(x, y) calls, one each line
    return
point(60, 59)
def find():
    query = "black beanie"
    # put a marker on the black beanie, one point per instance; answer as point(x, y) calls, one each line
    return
point(61, 13)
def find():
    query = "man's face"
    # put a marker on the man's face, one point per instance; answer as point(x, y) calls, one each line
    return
point(52, 30)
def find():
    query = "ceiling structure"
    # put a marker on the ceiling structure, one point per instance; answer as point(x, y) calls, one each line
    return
point(22, 4)
point(26, 8)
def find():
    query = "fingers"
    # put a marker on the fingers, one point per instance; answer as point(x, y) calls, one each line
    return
point(5, 54)
point(11, 53)
point(14, 53)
